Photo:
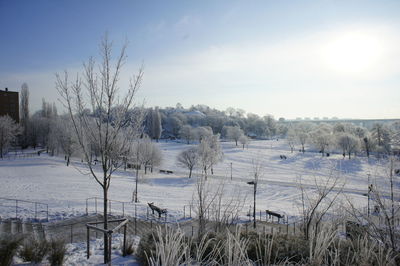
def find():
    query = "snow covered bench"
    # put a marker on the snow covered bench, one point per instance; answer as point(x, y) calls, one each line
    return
point(166, 171)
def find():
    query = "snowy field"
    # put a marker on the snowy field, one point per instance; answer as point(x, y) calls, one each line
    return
point(65, 189)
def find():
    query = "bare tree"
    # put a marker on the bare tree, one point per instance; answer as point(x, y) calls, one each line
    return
point(109, 129)
point(381, 226)
point(316, 205)
point(8, 132)
point(189, 159)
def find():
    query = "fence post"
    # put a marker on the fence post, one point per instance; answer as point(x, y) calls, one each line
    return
point(123, 209)
point(109, 206)
point(125, 238)
point(47, 212)
point(95, 201)
point(135, 221)
point(192, 230)
point(294, 228)
point(35, 210)
point(190, 211)
point(183, 211)
point(16, 209)
point(87, 211)
point(87, 243)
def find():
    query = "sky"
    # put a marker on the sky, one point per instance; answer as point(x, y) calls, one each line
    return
point(285, 58)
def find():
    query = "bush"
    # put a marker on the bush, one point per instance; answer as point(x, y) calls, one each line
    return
point(9, 245)
point(129, 248)
point(56, 252)
point(33, 250)
point(147, 246)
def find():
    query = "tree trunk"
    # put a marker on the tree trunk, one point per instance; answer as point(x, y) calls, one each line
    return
point(190, 172)
point(236, 142)
point(105, 220)
point(136, 183)
point(68, 160)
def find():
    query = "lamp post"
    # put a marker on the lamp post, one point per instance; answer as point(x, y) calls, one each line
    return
point(254, 183)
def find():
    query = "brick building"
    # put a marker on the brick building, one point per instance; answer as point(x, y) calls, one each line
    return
point(9, 104)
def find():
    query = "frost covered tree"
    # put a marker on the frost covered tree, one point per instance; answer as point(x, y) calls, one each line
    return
point(63, 130)
point(368, 144)
point(8, 132)
point(189, 159)
point(321, 138)
point(243, 140)
point(381, 135)
point(210, 153)
point(291, 139)
point(24, 114)
point(302, 133)
point(234, 133)
point(149, 154)
point(348, 143)
point(187, 133)
point(156, 124)
point(203, 133)
point(109, 129)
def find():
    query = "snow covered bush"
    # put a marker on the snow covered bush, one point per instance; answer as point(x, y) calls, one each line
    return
point(33, 250)
point(57, 251)
point(9, 245)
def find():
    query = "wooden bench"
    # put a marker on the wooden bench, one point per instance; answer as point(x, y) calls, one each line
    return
point(157, 209)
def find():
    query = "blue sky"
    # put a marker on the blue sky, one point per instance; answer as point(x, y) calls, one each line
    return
point(285, 58)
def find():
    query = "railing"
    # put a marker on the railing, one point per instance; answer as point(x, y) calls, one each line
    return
point(34, 210)
point(108, 233)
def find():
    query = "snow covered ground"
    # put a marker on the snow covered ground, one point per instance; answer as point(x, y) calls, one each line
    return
point(48, 180)
point(65, 189)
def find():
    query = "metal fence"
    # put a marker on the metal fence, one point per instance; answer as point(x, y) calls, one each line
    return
point(24, 209)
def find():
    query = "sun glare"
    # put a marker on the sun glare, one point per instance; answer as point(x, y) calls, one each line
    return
point(353, 52)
